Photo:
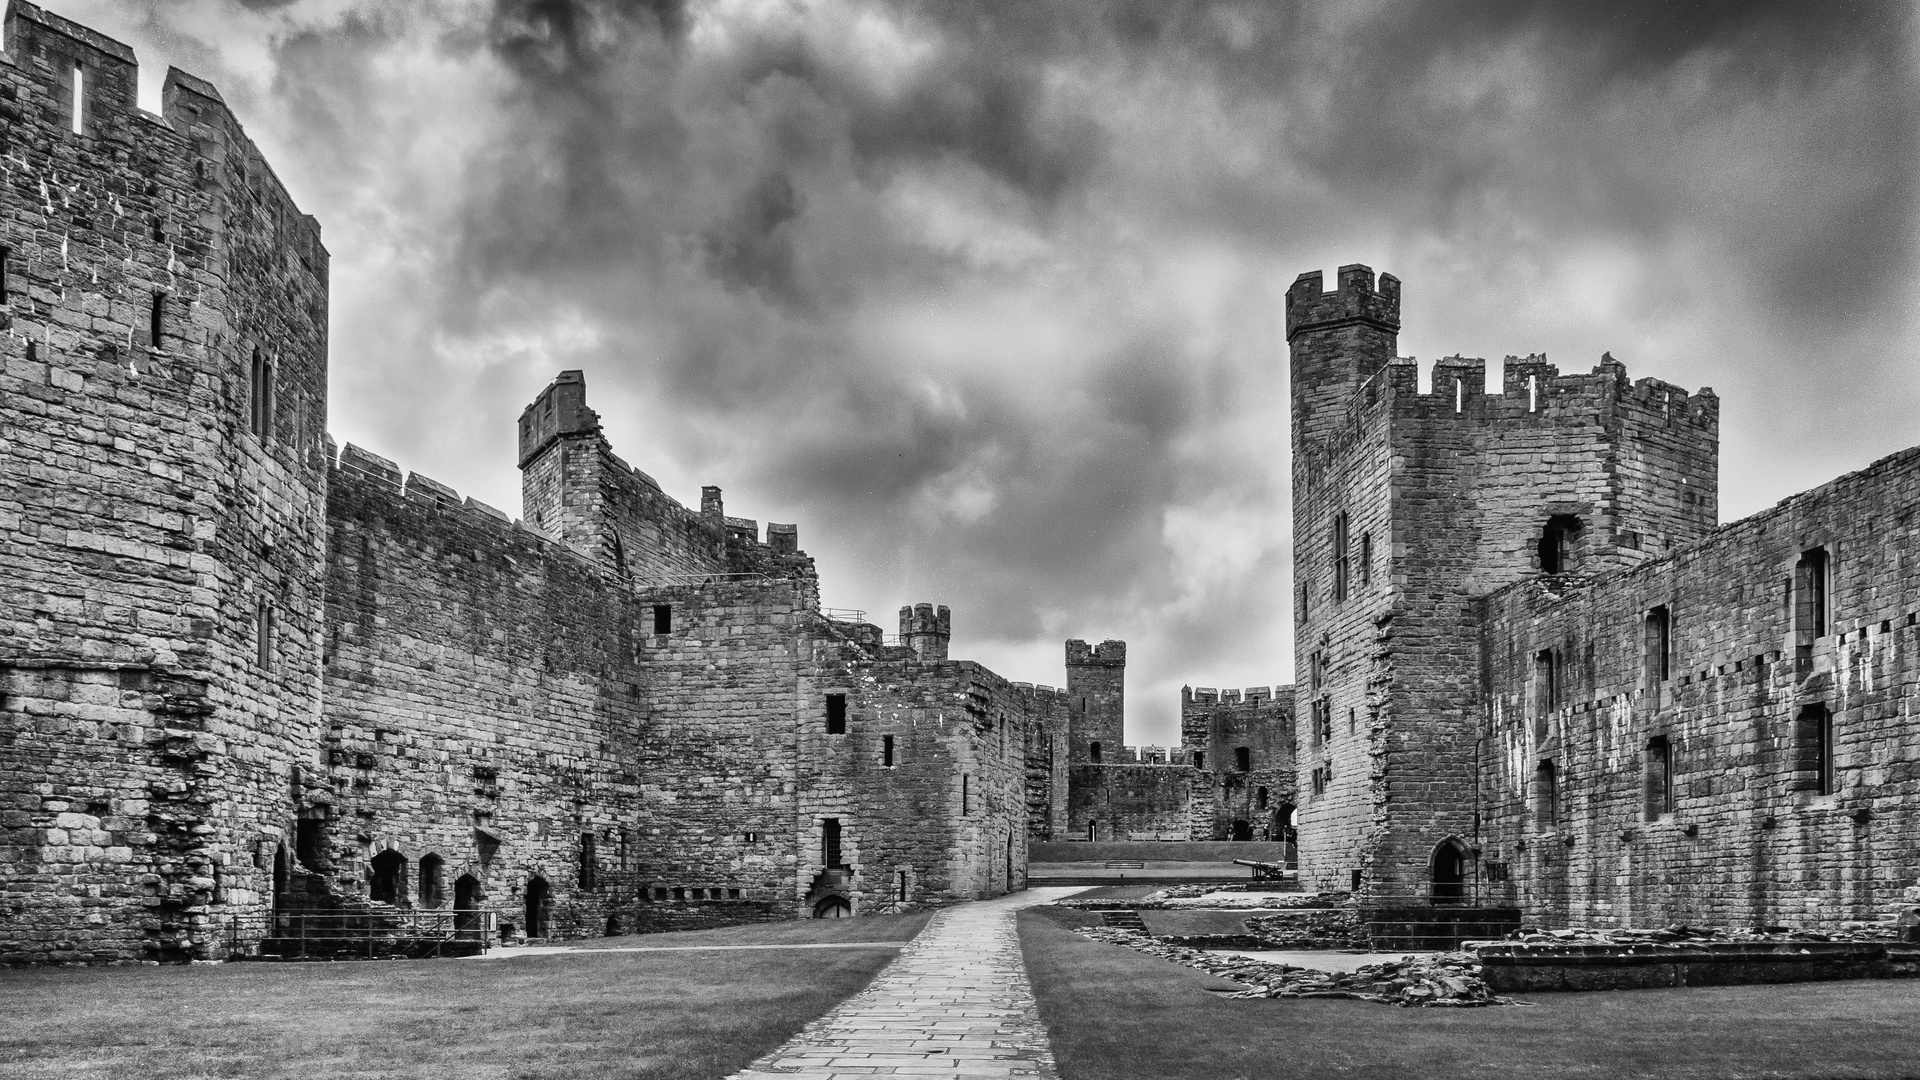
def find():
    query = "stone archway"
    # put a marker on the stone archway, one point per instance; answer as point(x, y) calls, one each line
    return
point(1448, 868)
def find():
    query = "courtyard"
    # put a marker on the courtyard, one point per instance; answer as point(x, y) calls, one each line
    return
point(848, 997)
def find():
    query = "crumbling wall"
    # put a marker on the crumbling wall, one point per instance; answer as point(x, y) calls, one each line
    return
point(1749, 837)
point(1228, 801)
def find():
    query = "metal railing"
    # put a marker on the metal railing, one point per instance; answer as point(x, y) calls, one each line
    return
point(844, 614)
point(348, 934)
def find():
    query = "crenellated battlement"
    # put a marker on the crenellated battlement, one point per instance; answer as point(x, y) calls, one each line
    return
point(1354, 300)
point(1253, 696)
point(926, 630)
point(1108, 653)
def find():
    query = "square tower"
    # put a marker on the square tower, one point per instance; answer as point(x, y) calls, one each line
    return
point(1407, 507)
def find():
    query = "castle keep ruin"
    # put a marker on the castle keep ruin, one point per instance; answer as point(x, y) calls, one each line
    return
point(1537, 676)
point(243, 671)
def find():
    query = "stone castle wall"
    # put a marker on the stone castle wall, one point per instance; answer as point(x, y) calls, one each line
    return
point(1739, 831)
point(1229, 802)
point(162, 532)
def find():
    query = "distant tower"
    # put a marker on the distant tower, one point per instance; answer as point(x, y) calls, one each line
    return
point(1096, 691)
point(926, 630)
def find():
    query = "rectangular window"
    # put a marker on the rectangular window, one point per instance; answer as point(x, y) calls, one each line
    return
point(260, 395)
point(1659, 772)
point(157, 321)
point(903, 886)
point(589, 862)
point(1546, 797)
point(1340, 556)
point(1366, 559)
point(886, 751)
point(966, 795)
point(1812, 609)
point(1546, 690)
point(836, 714)
point(1659, 654)
point(663, 618)
point(6, 256)
point(1815, 739)
point(79, 100)
point(1243, 758)
point(830, 843)
point(263, 635)
point(1199, 759)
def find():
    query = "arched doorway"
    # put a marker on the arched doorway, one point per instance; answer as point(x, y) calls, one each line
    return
point(466, 904)
point(1242, 829)
point(537, 904)
point(281, 875)
point(389, 884)
point(832, 907)
point(433, 889)
point(1450, 872)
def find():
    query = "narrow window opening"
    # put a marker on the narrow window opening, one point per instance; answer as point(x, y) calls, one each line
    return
point(260, 395)
point(79, 100)
point(966, 795)
point(1816, 737)
point(830, 843)
point(886, 751)
point(903, 886)
point(1659, 778)
point(836, 714)
point(157, 321)
point(1366, 559)
point(1812, 580)
point(1546, 797)
point(589, 862)
point(263, 635)
point(1243, 758)
point(1093, 752)
point(1546, 689)
point(1093, 831)
point(1199, 759)
point(1340, 556)
point(6, 257)
point(1459, 396)
point(1659, 657)
point(1260, 798)
point(1353, 721)
point(663, 618)
point(1533, 393)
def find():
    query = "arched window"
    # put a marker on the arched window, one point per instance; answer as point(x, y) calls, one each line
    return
point(389, 878)
point(1093, 752)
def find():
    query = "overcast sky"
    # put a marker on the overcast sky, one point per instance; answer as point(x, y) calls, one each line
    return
point(987, 297)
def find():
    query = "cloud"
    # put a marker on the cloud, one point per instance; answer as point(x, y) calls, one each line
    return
point(986, 295)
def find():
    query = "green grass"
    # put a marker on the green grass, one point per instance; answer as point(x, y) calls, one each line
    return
point(595, 1016)
point(1116, 1013)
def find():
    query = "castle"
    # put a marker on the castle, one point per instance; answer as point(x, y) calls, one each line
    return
point(245, 671)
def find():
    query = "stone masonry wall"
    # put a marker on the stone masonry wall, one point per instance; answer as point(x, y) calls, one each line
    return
point(1130, 801)
point(485, 706)
point(146, 725)
point(1214, 727)
point(1749, 838)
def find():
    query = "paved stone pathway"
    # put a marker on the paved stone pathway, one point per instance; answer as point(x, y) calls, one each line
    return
point(955, 1005)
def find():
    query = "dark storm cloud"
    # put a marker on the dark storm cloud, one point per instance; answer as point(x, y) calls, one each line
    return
point(986, 294)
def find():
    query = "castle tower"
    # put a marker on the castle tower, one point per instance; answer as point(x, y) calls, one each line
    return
point(1096, 691)
point(163, 533)
point(926, 630)
point(1408, 507)
point(1337, 341)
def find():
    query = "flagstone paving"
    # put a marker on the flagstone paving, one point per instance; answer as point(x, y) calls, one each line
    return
point(954, 1005)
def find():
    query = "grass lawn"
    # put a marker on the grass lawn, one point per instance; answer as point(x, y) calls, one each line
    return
point(589, 1015)
point(1113, 1012)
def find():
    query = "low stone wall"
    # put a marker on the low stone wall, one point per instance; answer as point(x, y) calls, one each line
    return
point(1510, 967)
point(1157, 851)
